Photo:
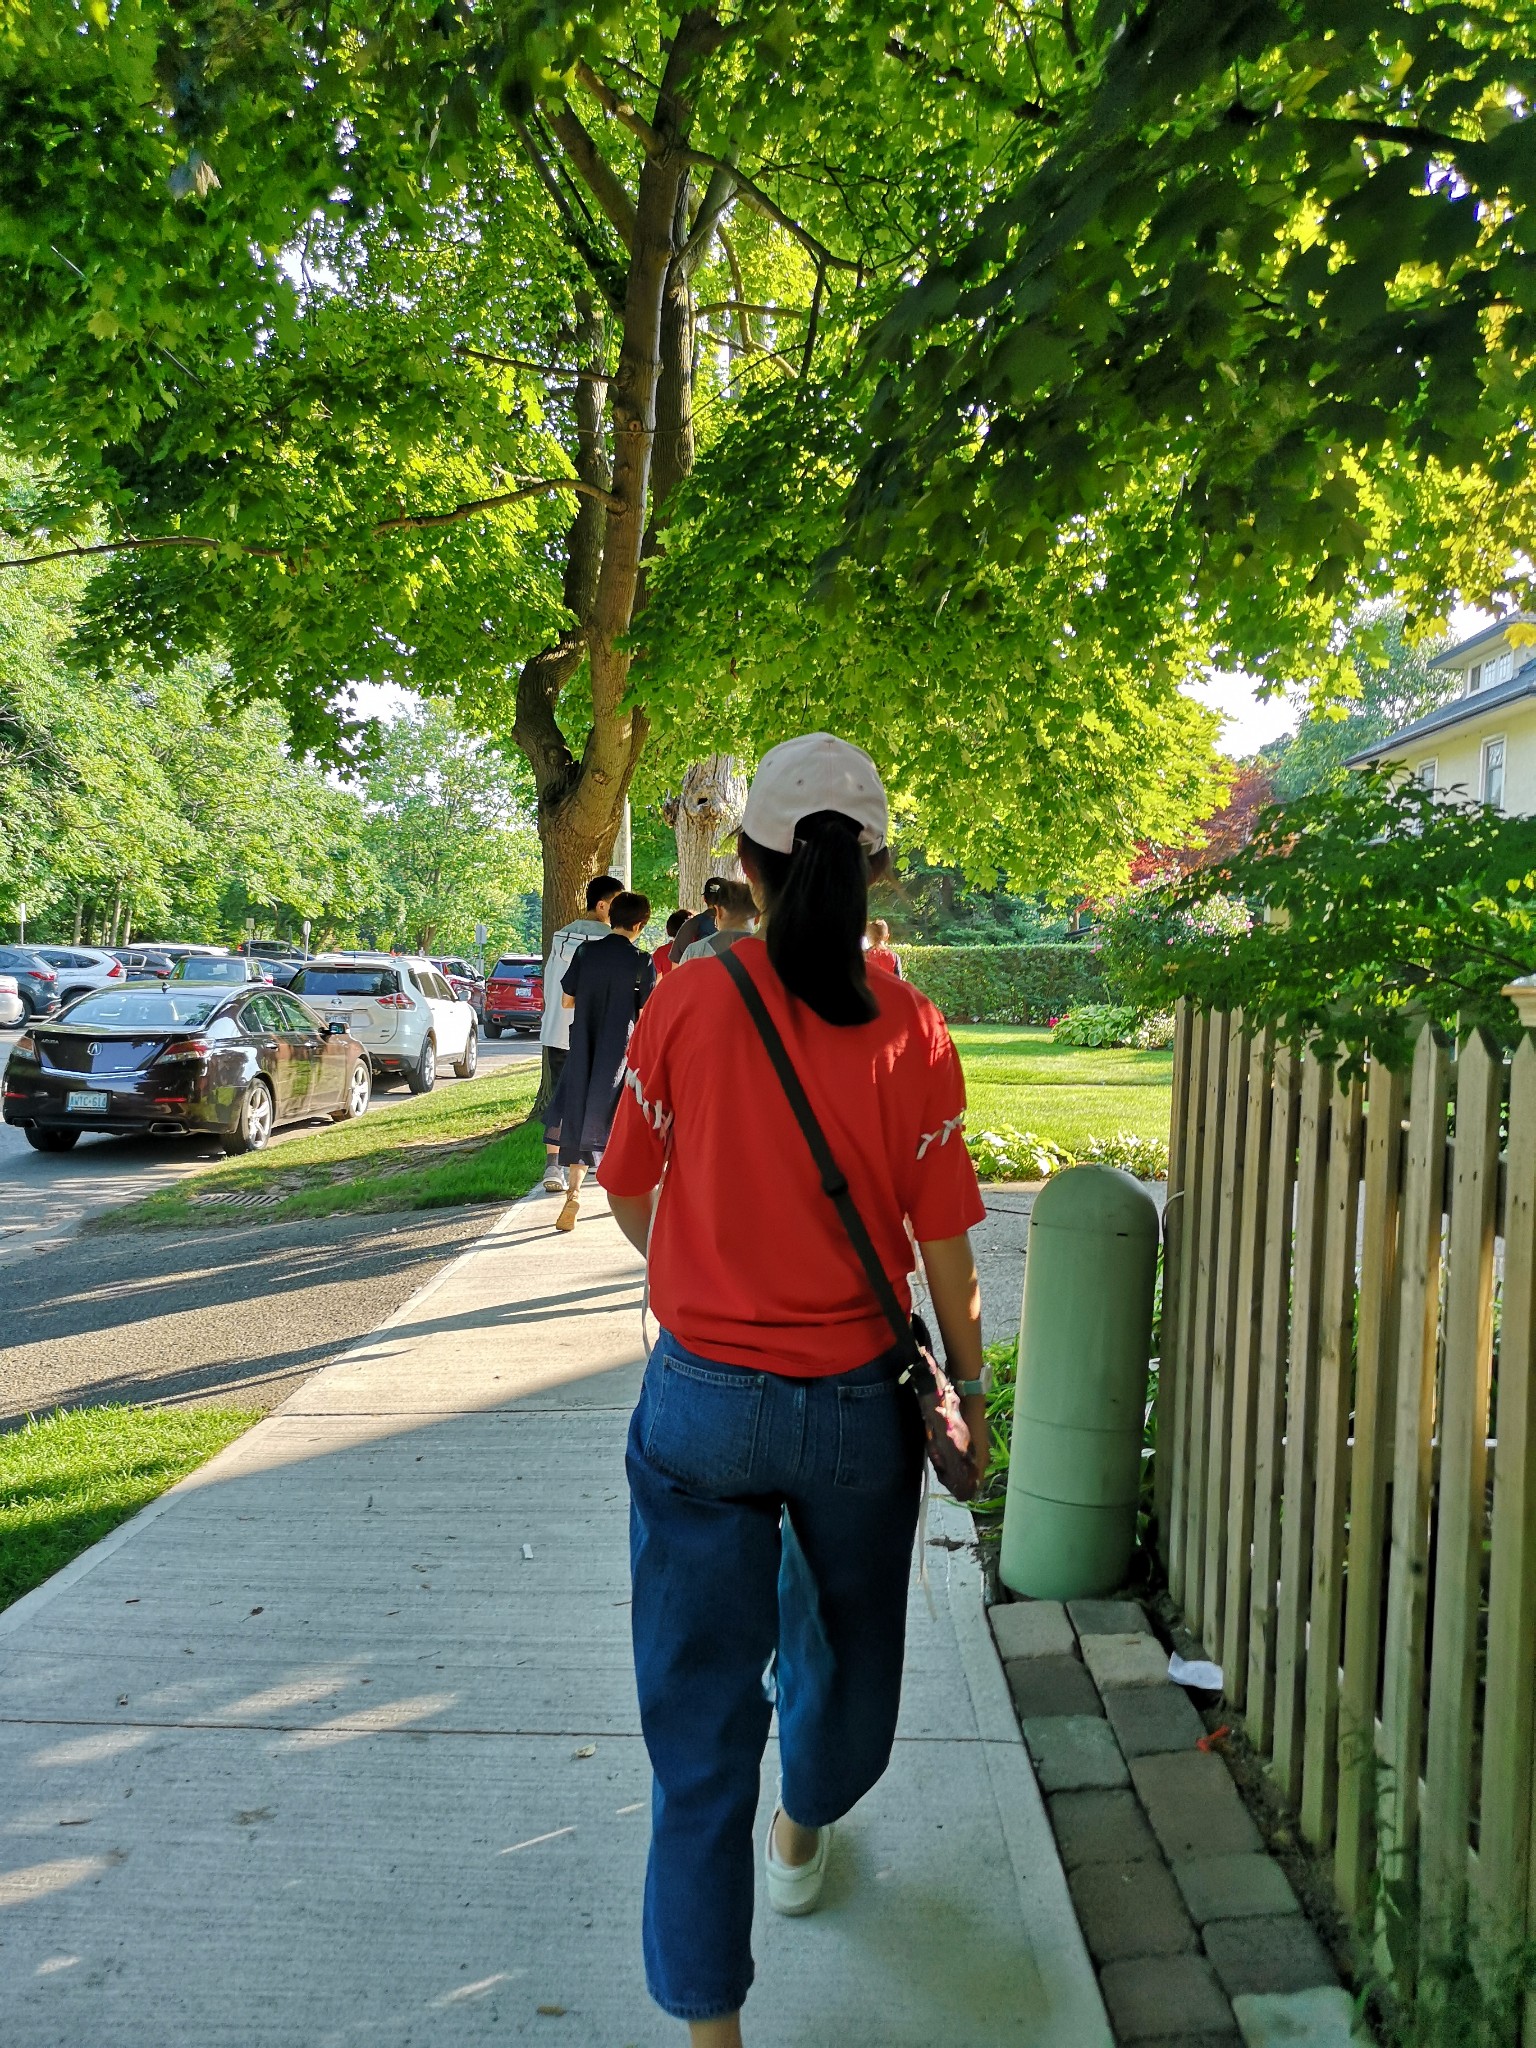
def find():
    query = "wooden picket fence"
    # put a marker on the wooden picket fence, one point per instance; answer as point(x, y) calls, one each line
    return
point(1345, 1476)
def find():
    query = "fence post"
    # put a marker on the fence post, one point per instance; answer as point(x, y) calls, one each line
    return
point(1252, 1276)
point(1375, 1391)
point(1202, 1327)
point(1335, 1388)
point(1402, 1705)
point(1300, 1428)
point(1224, 1318)
point(1169, 1366)
point(1189, 1237)
point(1460, 1508)
point(1506, 1889)
point(1258, 1684)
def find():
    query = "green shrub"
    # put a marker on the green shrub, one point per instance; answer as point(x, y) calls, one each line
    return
point(1008, 1154)
point(1388, 906)
point(1097, 1025)
point(1005, 984)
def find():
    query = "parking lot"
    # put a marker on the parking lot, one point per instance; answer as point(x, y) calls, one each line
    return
point(43, 1196)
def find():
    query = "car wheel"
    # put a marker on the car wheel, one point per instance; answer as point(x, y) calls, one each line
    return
point(492, 1030)
point(28, 1008)
point(422, 1078)
point(70, 994)
point(42, 1139)
point(359, 1089)
point(253, 1126)
point(465, 1067)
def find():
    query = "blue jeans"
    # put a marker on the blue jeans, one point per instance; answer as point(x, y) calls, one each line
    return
point(771, 1532)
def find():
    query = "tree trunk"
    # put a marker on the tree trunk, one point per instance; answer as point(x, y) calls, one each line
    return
point(705, 817)
point(79, 918)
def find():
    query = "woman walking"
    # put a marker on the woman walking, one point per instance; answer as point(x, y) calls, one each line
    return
point(735, 915)
point(774, 1460)
point(603, 988)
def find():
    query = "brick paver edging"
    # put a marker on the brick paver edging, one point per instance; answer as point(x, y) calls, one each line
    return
point(1194, 1930)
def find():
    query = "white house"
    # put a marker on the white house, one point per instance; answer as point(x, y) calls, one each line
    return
point(1483, 742)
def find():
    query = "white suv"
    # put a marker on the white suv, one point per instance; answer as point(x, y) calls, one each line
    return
point(400, 1009)
point(82, 968)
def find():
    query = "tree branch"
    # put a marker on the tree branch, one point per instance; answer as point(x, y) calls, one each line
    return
point(535, 487)
point(130, 542)
point(718, 194)
point(752, 306)
point(619, 109)
point(759, 201)
point(955, 74)
point(481, 355)
point(600, 179)
point(605, 273)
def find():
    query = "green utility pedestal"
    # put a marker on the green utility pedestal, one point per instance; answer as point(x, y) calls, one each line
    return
point(1074, 1470)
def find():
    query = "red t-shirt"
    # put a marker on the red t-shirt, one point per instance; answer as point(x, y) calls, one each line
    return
point(749, 1263)
point(662, 959)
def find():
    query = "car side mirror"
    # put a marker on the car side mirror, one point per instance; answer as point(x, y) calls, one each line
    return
point(336, 1027)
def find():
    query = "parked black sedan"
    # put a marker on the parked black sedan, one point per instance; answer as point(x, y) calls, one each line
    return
point(182, 1058)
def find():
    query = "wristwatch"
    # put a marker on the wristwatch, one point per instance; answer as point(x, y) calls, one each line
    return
point(970, 1387)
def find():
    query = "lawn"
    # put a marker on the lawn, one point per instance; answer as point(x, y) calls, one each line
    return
point(467, 1143)
point(66, 1480)
point(1015, 1078)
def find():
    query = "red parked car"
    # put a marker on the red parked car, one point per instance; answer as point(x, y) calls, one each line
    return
point(514, 994)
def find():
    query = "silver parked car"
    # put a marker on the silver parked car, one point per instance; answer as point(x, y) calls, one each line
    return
point(82, 968)
point(12, 1009)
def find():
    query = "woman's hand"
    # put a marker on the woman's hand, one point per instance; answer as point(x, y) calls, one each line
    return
point(974, 1408)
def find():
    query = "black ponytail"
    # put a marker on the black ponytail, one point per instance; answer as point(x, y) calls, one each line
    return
point(818, 905)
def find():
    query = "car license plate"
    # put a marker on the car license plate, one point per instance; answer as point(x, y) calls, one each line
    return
point(85, 1101)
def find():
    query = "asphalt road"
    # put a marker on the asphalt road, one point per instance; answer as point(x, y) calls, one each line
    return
point(44, 1195)
point(236, 1317)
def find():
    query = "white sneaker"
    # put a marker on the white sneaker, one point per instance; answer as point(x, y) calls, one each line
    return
point(554, 1180)
point(795, 1888)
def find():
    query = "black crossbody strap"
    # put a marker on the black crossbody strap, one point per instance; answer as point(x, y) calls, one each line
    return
point(833, 1180)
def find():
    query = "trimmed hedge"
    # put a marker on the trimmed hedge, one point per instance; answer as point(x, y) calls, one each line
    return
point(1005, 984)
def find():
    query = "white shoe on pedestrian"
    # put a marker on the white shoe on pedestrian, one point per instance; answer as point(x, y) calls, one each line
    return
point(554, 1180)
point(795, 1888)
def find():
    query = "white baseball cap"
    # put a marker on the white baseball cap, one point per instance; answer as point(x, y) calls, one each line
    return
point(816, 772)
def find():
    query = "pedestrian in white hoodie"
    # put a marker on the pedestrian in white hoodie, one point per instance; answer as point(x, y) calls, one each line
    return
point(555, 1031)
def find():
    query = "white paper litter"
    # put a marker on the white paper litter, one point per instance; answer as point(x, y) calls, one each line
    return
point(1191, 1671)
point(528, 1553)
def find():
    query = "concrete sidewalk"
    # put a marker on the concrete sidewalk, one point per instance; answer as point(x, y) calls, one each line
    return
point(337, 1743)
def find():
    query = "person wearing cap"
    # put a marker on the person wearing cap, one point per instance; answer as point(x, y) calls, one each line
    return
point(702, 922)
point(555, 1026)
point(736, 912)
point(774, 1459)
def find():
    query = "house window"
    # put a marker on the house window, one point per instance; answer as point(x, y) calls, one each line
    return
point(1493, 773)
point(1483, 675)
point(1424, 775)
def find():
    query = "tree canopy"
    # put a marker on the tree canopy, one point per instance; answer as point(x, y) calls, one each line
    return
point(376, 348)
point(1267, 289)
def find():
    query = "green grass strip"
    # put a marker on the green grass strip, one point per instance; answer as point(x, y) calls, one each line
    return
point(1017, 1080)
point(68, 1479)
point(468, 1143)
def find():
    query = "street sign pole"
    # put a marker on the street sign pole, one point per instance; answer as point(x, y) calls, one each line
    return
point(307, 929)
point(21, 919)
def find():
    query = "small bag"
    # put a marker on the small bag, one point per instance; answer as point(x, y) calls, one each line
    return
point(948, 1435)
